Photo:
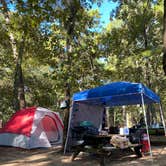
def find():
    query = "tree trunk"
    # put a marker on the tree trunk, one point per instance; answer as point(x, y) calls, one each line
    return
point(164, 38)
point(147, 67)
point(66, 113)
point(68, 84)
point(19, 97)
point(124, 115)
point(69, 25)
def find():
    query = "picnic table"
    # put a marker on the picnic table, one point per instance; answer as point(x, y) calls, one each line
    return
point(100, 145)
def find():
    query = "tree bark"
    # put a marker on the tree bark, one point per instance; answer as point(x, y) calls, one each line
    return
point(164, 38)
point(19, 97)
point(69, 26)
point(66, 113)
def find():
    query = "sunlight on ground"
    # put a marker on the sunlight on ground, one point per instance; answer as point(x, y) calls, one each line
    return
point(53, 157)
point(66, 160)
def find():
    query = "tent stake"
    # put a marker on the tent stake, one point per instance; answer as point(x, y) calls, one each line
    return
point(143, 108)
point(162, 118)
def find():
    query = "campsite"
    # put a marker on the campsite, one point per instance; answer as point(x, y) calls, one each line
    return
point(32, 130)
point(83, 82)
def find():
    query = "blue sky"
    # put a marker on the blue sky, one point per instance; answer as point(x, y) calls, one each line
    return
point(105, 10)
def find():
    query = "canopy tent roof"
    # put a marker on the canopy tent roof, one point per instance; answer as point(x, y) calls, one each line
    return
point(117, 94)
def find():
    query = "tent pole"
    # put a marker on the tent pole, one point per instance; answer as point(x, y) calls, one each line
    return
point(162, 118)
point(143, 107)
point(68, 130)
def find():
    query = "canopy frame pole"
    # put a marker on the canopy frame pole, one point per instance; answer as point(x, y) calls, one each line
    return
point(162, 117)
point(68, 130)
point(145, 117)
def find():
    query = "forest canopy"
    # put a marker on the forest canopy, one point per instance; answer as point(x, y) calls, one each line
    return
point(51, 49)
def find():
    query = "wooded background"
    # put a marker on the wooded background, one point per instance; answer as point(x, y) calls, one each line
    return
point(50, 49)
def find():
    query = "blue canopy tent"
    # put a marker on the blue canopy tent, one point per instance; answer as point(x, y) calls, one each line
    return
point(117, 94)
point(114, 94)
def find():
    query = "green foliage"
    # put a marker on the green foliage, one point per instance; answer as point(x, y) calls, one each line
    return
point(128, 49)
point(6, 91)
point(133, 43)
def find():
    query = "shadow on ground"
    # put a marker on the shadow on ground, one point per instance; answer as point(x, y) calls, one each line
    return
point(10, 156)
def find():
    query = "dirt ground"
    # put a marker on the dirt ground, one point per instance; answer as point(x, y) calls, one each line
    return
point(10, 156)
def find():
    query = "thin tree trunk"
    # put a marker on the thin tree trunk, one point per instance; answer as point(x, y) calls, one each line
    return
point(164, 38)
point(19, 97)
point(70, 27)
point(147, 64)
point(66, 113)
point(68, 84)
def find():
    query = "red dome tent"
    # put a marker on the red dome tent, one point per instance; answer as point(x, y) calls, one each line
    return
point(32, 128)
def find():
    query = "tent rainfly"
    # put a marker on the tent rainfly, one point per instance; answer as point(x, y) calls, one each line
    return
point(32, 127)
point(93, 101)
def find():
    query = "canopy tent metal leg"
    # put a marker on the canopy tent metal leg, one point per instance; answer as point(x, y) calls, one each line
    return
point(143, 108)
point(162, 118)
point(68, 130)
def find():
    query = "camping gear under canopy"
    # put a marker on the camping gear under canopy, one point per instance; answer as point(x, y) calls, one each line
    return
point(32, 127)
point(117, 94)
point(89, 105)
